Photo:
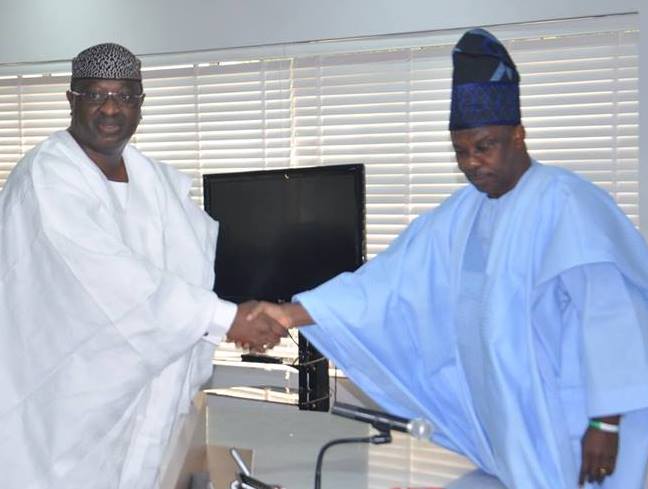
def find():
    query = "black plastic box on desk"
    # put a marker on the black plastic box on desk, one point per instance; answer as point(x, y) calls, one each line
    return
point(285, 231)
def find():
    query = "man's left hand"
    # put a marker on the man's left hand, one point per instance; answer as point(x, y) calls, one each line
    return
point(599, 454)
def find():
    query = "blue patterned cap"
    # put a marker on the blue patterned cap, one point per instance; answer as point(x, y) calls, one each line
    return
point(485, 83)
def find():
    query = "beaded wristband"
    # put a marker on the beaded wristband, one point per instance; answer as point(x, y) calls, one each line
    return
point(601, 426)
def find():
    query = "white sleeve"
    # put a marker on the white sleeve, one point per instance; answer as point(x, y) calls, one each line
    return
point(222, 319)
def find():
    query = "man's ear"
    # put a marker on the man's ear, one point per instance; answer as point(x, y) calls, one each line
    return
point(70, 98)
point(519, 134)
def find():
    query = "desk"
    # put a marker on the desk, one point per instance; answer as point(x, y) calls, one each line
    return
point(286, 441)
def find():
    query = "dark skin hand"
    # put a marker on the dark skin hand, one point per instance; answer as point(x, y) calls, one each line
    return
point(599, 452)
point(257, 334)
point(289, 315)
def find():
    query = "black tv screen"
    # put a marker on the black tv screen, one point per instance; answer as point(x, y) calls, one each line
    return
point(285, 231)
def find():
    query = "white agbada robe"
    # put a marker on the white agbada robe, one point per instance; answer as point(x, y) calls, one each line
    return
point(103, 308)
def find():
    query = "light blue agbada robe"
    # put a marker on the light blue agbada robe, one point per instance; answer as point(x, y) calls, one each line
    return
point(508, 323)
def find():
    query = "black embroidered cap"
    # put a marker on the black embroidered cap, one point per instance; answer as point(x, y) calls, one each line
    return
point(108, 61)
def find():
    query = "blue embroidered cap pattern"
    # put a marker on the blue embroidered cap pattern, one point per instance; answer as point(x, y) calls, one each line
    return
point(485, 83)
point(485, 104)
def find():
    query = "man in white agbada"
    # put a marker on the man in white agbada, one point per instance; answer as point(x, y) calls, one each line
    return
point(106, 270)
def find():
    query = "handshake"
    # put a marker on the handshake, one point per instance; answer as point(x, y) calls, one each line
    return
point(258, 326)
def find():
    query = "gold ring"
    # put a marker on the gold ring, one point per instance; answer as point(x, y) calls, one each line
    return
point(603, 471)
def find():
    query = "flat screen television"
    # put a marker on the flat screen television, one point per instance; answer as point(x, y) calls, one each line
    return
point(285, 231)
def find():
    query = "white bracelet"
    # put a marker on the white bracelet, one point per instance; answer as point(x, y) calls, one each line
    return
point(601, 426)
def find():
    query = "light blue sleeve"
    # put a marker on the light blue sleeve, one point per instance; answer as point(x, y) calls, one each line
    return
point(388, 326)
point(614, 338)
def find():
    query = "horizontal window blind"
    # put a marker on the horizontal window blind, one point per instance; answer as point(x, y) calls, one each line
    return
point(244, 113)
point(407, 462)
point(580, 108)
point(169, 128)
point(10, 140)
point(31, 108)
point(387, 109)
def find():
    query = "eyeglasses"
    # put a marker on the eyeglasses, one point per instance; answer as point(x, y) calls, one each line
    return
point(99, 98)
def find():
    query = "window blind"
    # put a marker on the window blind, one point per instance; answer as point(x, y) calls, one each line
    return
point(169, 128)
point(407, 462)
point(580, 107)
point(386, 108)
point(31, 108)
point(244, 112)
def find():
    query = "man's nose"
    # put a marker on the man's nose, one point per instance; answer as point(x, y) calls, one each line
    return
point(471, 160)
point(110, 105)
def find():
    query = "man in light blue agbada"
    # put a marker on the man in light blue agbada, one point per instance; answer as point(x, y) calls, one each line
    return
point(514, 316)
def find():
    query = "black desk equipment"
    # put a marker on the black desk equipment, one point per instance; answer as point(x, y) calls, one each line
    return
point(283, 232)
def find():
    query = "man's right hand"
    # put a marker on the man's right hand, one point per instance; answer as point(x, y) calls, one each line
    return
point(288, 315)
point(257, 334)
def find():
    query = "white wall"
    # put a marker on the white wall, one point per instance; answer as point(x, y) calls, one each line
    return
point(40, 30)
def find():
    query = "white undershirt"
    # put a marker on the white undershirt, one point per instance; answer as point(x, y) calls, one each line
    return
point(121, 191)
